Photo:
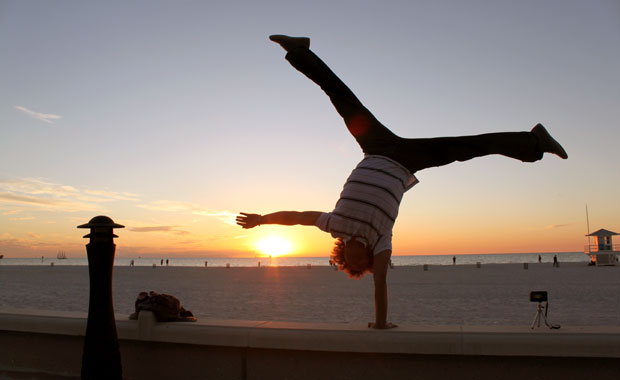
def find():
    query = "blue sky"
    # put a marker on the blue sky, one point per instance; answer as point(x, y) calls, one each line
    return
point(172, 116)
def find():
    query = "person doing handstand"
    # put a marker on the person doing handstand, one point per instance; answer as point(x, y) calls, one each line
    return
point(364, 216)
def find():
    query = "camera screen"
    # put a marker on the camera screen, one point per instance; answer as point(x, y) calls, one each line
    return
point(538, 296)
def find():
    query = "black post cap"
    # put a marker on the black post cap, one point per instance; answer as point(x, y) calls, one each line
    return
point(101, 225)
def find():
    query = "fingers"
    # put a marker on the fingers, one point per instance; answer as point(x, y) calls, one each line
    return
point(243, 216)
point(243, 220)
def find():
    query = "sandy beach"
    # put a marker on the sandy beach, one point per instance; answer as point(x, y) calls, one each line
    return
point(495, 294)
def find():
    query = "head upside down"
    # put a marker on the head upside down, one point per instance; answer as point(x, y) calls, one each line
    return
point(352, 257)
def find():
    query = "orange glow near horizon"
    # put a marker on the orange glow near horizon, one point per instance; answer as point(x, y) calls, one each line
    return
point(274, 246)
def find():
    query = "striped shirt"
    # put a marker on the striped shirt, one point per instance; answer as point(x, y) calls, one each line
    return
point(369, 202)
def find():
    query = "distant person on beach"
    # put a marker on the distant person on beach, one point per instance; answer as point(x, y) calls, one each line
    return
point(364, 216)
point(453, 260)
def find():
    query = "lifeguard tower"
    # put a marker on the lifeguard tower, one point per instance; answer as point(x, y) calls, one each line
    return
point(604, 252)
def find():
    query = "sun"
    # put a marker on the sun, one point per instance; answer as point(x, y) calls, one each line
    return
point(274, 246)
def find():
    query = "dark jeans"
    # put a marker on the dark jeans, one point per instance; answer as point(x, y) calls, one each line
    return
point(415, 154)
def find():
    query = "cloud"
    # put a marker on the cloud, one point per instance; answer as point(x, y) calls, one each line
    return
point(40, 194)
point(42, 202)
point(32, 244)
point(171, 206)
point(11, 212)
point(159, 229)
point(551, 226)
point(112, 195)
point(45, 117)
point(27, 199)
point(22, 218)
point(151, 229)
point(186, 207)
point(223, 216)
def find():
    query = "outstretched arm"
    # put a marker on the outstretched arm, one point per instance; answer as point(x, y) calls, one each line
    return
point(287, 218)
point(379, 270)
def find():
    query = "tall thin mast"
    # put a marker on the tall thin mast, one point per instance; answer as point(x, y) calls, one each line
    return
point(588, 225)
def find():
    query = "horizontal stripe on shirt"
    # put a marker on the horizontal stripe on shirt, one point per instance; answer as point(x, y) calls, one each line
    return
point(369, 202)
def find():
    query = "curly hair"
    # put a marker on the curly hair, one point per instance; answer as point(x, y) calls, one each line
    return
point(337, 256)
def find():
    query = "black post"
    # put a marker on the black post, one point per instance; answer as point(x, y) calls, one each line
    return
point(101, 358)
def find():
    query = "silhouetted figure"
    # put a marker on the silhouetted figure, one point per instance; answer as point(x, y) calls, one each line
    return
point(555, 261)
point(364, 216)
point(453, 260)
point(166, 262)
point(539, 259)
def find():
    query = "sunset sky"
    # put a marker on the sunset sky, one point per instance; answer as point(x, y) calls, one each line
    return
point(172, 116)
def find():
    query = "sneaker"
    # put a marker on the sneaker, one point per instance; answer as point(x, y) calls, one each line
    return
point(290, 43)
point(548, 143)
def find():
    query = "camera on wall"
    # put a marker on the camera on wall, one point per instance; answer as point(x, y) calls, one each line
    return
point(538, 296)
point(541, 296)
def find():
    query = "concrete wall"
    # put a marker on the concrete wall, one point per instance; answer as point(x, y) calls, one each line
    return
point(33, 345)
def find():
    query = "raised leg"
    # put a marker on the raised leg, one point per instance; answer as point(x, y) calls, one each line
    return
point(415, 154)
point(372, 136)
point(419, 154)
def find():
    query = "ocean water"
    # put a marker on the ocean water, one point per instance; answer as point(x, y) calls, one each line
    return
point(504, 258)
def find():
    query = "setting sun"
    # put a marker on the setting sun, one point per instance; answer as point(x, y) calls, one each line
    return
point(274, 246)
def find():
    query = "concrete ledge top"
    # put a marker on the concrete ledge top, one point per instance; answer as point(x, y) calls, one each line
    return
point(569, 341)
